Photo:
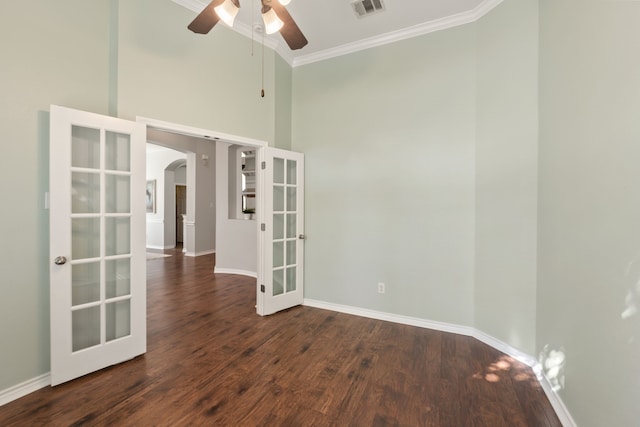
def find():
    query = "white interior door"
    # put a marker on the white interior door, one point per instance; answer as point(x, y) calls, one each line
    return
point(97, 242)
point(282, 231)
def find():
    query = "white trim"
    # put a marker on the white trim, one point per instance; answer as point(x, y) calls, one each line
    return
point(19, 390)
point(210, 251)
point(218, 270)
point(389, 317)
point(160, 248)
point(200, 132)
point(406, 33)
point(556, 401)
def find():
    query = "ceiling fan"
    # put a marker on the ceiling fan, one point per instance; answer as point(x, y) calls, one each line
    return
point(275, 16)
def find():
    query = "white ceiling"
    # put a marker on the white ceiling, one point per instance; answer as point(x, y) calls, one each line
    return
point(332, 27)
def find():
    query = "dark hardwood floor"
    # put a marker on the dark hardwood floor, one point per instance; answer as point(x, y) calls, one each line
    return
point(212, 361)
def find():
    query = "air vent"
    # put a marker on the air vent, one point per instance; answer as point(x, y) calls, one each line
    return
point(367, 7)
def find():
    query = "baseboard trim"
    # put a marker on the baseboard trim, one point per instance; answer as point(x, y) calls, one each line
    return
point(218, 270)
point(194, 254)
point(555, 400)
point(389, 317)
point(19, 390)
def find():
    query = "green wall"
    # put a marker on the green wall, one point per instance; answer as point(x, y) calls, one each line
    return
point(388, 135)
point(506, 173)
point(589, 221)
point(53, 53)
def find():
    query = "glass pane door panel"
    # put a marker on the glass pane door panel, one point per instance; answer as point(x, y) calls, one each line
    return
point(291, 252)
point(85, 241)
point(117, 236)
point(85, 328)
point(278, 226)
point(278, 199)
point(278, 282)
point(291, 199)
point(291, 172)
point(85, 192)
point(291, 279)
point(278, 254)
point(278, 171)
point(117, 277)
point(118, 319)
point(85, 147)
point(117, 152)
point(118, 194)
point(85, 283)
point(291, 226)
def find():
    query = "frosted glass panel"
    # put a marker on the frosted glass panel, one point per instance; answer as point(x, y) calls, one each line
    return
point(278, 254)
point(291, 199)
point(278, 199)
point(118, 319)
point(278, 226)
point(85, 328)
point(117, 277)
point(117, 236)
point(85, 147)
point(117, 194)
point(291, 279)
point(85, 192)
point(278, 171)
point(291, 226)
point(85, 240)
point(117, 152)
point(85, 283)
point(278, 282)
point(291, 172)
point(291, 252)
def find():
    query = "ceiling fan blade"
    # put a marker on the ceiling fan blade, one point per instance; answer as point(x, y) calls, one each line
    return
point(289, 31)
point(205, 21)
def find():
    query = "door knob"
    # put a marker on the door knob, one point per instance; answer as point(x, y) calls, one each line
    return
point(302, 237)
point(60, 260)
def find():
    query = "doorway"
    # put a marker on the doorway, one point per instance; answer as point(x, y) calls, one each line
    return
point(181, 211)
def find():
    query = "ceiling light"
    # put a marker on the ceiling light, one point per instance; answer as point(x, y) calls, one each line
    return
point(284, 2)
point(227, 11)
point(272, 23)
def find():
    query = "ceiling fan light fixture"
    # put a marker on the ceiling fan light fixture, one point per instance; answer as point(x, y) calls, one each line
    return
point(284, 2)
point(227, 12)
point(272, 23)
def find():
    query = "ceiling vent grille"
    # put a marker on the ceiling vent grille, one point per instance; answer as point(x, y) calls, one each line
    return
point(367, 7)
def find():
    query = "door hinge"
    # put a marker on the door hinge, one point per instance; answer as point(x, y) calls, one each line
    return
point(263, 227)
point(262, 289)
point(264, 165)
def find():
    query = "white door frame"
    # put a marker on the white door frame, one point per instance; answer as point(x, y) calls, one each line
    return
point(230, 139)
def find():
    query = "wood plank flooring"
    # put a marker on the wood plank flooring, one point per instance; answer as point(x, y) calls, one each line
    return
point(212, 361)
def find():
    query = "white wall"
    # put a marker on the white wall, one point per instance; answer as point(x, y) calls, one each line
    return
point(237, 239)
point(159, 235)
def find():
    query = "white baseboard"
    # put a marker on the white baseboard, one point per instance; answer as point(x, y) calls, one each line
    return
point(235, 271)
point(22, 389)
point(555, 400)
point(212, 251)
point(156, 247)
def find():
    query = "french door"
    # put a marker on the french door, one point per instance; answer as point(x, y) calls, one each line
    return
point(97, 242)
point(282, 231)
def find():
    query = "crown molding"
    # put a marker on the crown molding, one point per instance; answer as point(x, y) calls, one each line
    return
point(418, 30)
point(406, 33)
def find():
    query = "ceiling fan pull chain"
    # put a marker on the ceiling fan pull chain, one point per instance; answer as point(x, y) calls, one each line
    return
point(262, 90)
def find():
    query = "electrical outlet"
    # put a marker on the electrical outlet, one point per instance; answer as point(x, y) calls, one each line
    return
point(381, 288)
